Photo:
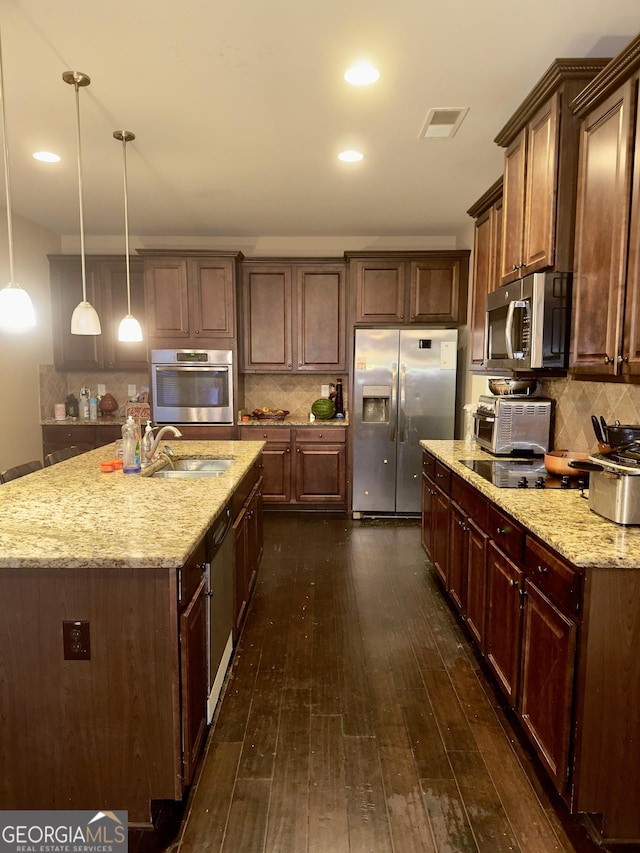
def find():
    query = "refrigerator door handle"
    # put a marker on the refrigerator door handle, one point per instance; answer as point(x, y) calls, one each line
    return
point(403, 399)
point(393, 417)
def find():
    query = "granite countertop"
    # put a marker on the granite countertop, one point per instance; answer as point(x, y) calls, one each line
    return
point(72, 515)
point(559, 517)
point(103, 420)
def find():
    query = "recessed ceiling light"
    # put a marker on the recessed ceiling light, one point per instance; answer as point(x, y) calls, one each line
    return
point(361, 74)
point(350, 156)
point(46, 157)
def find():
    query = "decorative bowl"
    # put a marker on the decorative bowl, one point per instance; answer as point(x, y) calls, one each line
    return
point(270, 415)
point(512, 386)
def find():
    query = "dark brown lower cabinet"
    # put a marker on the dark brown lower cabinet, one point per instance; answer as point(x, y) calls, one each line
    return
point(503, 620)
point(546, 691)
point(475, 610)
point(305, 467)
point(247, 543)
point(458, 556)
point(193, 679)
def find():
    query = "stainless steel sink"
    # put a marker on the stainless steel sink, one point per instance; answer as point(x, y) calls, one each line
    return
point(189, 468)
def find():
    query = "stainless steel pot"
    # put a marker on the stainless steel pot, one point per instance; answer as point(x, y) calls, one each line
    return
point(617, 434)
point(614, 483)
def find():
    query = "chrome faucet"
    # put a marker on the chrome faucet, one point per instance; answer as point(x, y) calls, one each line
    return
point(151, 452)
point(168, 452)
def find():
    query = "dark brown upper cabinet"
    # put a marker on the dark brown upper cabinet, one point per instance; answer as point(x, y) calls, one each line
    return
point(540, 172)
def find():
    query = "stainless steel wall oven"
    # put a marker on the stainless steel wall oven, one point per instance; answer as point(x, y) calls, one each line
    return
point(192, 386)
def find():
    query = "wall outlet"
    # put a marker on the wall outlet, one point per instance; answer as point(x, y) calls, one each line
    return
point(131, 392)
point(324, 390)
point(102, 390)
point(75, 640)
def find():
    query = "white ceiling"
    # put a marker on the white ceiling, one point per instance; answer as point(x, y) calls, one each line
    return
point(239, 108)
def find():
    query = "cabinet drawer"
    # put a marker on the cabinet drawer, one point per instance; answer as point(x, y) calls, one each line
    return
point(328, 435)
point(279, 435)
point(442, 476)
point(191, 573)
point(469, 499)
point(84, 434)
point(428, 465)
point(506, 533)
point(553, 576)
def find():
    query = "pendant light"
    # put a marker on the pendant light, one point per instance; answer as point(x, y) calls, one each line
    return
point(129, 329)
point(16, 308)
point(84, 320)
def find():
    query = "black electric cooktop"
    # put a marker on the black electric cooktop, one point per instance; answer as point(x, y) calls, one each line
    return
point(522, 474)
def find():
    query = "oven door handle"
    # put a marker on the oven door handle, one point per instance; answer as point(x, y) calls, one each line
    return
point(479, 416)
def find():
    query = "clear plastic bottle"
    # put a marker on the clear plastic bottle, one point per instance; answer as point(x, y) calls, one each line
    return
point(85, 395)
point(130, 447)
point(147, 443)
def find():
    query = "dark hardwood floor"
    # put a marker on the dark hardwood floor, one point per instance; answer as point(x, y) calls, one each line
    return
point(356, 716)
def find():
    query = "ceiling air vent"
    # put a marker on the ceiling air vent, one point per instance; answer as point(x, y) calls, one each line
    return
point(442, 122)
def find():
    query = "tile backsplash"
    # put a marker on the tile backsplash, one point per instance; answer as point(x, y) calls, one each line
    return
point(576, 401)
point(55, 387)
point(294, 392)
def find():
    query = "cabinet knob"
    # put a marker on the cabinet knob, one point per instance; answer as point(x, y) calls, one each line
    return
point(513, 582)
point(608, 360)
point(197, 331)
point(623, 359)
point(514, 267)
point(543, 570)
point(319, 435)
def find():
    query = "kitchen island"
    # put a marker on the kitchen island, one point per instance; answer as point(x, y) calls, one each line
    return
point(102, 627)
point(550, 594)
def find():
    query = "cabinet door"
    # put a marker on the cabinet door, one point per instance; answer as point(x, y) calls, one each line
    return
point(240, 561)
point(121, 355)
point(267, 322)
point(426, 526)
point(321, 316)
point(276, 473)
point(546, 692)
point(486, 265)
point(193, 679)
point(602, 215)
point(165, 281)
point(321, 473)
point(380, 291)
point(438, 292)
point(73, 352)
point(476, 581)
point(631, 348)
point(541, 188)
point(440, 534)
point(503, 620)
point(458, 557)
point(513, 210)
point(211, 298)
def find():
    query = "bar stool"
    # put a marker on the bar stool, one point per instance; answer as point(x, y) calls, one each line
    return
point(60, 455)
point(20, 471)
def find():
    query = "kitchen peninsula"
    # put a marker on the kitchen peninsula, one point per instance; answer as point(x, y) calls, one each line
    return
point(102, 626)
point(550, 594)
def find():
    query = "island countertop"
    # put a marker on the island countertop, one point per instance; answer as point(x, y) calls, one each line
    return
point(72, 515)
point(559, 517)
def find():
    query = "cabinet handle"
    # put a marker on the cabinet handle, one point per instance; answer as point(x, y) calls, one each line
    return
point(514, 267)
point(623, 359)
point(197, 331)
point(543, 570)
point(513, 582)
point(319, 435)
point(608, 360)
point(501, 531)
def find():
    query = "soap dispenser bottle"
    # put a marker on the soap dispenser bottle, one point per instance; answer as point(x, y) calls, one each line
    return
point(130, 447)
point(147, 443)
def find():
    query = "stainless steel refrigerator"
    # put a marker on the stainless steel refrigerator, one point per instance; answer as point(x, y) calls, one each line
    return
point(404, 391)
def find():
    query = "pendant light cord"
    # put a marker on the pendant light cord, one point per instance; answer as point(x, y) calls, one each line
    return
point(80, 193)
point(126, 219)
point(7, 182)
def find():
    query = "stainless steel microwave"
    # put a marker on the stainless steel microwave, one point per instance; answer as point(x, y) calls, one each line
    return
point(192, 386)
point(528, 323)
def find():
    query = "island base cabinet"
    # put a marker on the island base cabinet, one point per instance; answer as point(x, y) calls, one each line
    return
point(100, 733)
point(193, 679)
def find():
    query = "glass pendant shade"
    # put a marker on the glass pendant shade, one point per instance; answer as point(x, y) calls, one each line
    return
point(129, 329)
point(16, 309)
point(85, 320)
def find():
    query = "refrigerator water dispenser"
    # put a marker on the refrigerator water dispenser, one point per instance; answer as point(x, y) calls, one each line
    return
point(375, 404)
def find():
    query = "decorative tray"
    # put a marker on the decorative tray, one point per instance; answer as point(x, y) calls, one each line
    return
point(269, 414)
